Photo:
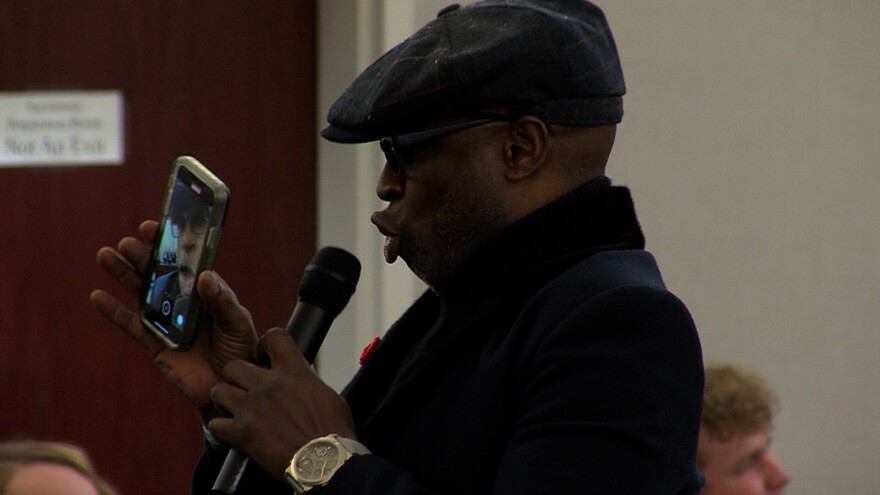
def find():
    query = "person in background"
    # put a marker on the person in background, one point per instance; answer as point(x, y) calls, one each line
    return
point(31, 467)
point(735, 434)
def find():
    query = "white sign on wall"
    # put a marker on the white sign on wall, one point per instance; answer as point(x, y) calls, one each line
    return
point(56, 128)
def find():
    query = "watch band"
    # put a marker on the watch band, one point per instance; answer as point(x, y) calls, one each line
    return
point(318, 460)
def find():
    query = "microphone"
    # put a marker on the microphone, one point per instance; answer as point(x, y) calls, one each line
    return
point(327, 285)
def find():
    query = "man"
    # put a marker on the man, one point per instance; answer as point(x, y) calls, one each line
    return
point(735, 432)
point(547, 356)
point(189, 217)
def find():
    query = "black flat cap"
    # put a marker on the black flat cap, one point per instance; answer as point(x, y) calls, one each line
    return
point(555, 59)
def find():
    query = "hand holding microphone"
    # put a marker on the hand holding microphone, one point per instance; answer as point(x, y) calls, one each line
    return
point(277, 409)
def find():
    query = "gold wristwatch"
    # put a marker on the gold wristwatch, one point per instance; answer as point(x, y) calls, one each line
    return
point(317, 461)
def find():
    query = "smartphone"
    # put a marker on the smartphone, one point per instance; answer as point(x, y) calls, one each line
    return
point(192, 218)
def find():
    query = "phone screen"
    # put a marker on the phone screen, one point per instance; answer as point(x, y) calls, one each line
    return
point(186, 242)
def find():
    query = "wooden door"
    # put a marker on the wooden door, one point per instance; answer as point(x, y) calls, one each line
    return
point(229, 82)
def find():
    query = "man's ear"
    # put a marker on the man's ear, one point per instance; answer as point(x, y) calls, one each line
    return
point(525, 149)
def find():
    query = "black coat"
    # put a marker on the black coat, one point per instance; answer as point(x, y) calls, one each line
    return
point(557, 363)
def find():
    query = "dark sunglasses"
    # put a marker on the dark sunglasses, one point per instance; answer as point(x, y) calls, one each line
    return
point(393, 146)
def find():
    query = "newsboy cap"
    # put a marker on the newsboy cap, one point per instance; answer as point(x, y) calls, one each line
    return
point(554, 59)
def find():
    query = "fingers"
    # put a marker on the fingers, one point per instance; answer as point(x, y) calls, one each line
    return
point(282, 350)
point(243, 377)
point(227, 396)
point(136, 251)
point(120, 269)
point(148, 230)
point(128, 262)
point(127, 320)
point(243, 374)
point(274, 411)
point(221, 427)
point(232, 397)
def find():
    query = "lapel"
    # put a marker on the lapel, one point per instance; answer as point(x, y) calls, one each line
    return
point(428, 343)
point(372, 385)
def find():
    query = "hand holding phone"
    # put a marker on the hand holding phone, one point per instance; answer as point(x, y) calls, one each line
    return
point(193, 213)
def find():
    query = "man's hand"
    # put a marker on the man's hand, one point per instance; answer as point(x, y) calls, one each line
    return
point(226, 331)
point(277, 410)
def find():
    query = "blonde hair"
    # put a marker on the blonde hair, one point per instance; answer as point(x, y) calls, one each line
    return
point(736, 402)
point(15, 455)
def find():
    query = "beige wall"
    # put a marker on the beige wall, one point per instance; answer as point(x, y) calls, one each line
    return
point(751, 142)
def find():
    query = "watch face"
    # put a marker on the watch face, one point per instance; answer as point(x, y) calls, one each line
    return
point(317, 462)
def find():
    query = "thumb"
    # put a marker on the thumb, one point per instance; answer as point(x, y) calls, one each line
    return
point(229, 315)
point(233, 335)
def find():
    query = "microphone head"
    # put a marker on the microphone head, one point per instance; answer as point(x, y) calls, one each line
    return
point(330, 279)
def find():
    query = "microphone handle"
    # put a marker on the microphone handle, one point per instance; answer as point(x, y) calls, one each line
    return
point(231, 473)
point(308, 325)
